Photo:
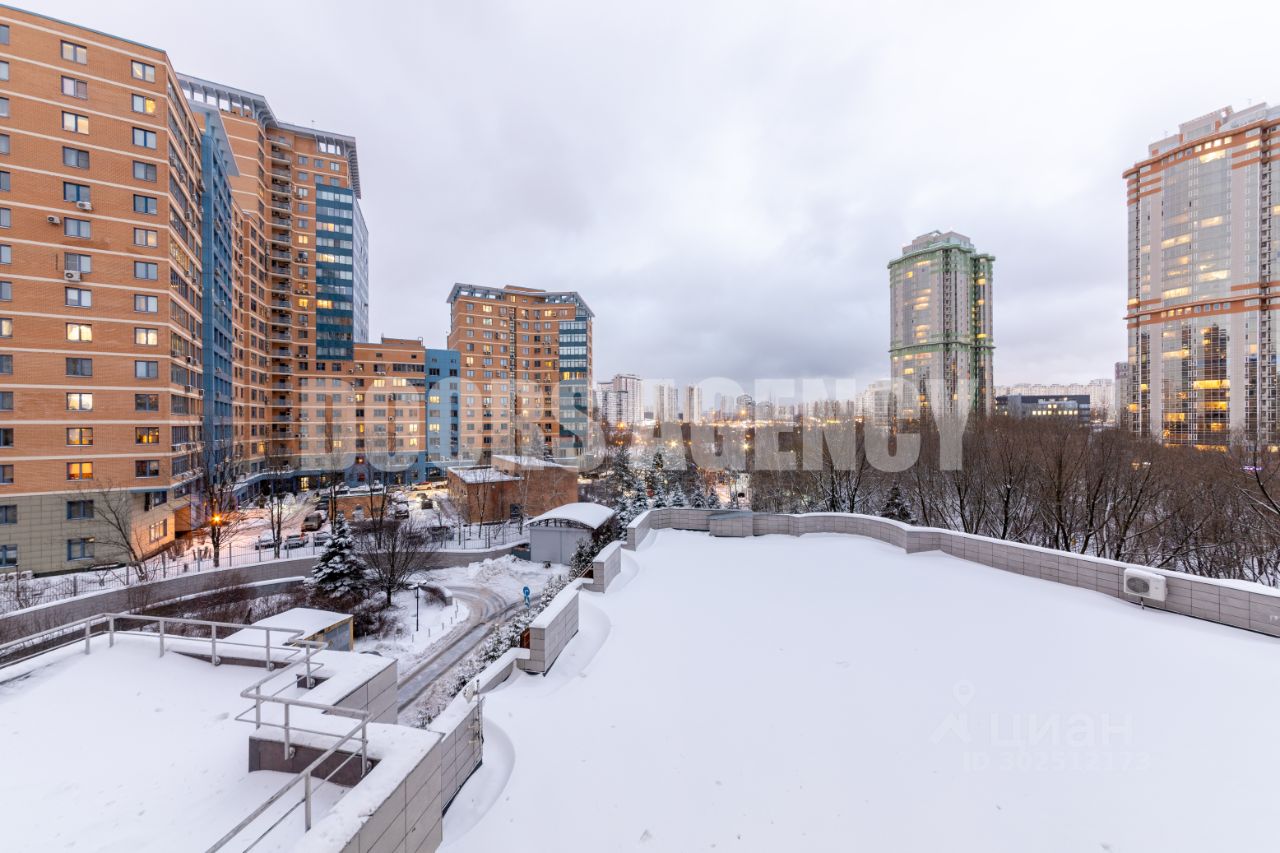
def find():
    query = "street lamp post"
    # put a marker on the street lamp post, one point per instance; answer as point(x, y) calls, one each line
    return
point(416, 621)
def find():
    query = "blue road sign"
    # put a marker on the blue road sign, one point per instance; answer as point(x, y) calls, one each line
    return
point(526, 596)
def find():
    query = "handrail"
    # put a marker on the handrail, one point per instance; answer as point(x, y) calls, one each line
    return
point(294, 652)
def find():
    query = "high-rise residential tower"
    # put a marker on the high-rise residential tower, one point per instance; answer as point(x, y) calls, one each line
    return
point(525, 384)
point(1202, 220)
point(303, 297)
point(941, 343)
point(176, 266)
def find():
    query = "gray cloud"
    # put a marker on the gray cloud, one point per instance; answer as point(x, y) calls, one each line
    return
point(725, 182)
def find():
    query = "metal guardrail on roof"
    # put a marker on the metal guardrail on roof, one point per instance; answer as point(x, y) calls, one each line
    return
point(289, 651)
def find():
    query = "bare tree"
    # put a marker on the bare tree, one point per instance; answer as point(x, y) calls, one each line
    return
point(120, 525)
point(394, 551)
point(217, 482)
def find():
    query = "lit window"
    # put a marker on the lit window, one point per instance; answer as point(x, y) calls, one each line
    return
point(79, 470)
point(72, 52)
point(79, 436)
point(75, 123)
point(82, 332)
point(79, 402)
point(143, 71)
point(143, 104)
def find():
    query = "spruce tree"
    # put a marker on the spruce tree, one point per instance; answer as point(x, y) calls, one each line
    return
point(896, 508)
point(339, 575)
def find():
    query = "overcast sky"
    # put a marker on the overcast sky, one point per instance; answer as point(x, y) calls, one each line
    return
point(725, 182)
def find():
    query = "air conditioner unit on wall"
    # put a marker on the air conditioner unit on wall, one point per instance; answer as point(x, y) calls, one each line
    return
point(71, 275)
point(1150, 586)
point(54, 220)
point(84, 205)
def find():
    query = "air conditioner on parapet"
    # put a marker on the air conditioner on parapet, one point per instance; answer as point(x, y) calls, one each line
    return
point(1145, 584)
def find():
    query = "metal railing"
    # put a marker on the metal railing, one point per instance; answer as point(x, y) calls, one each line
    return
point(290, 651)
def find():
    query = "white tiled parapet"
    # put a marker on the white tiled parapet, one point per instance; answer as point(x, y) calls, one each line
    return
point(552, 630)
point(731, 523)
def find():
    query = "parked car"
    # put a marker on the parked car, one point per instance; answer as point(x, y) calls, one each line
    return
point(294, 540)
point(266, 540)
point(320, 537)
point(312, 522)
point(400, 513)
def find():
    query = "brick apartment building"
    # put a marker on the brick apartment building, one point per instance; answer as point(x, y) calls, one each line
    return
point(182, 275)
point(525, 377)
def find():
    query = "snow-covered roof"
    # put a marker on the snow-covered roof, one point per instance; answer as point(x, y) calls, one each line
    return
point(483, 475)
point(305, 619)
point(529, 461)
point(587, 514)
point(955, 732)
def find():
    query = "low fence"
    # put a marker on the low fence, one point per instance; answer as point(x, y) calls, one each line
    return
point(50, 617)
point(1235, 603)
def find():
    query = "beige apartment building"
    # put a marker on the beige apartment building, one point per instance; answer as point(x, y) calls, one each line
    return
point(367, 424)
point(525, 377)
point(1202, 224)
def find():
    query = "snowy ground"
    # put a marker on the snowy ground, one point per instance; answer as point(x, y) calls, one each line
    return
point(122, 750)
point(407, 643)
point(831, 693)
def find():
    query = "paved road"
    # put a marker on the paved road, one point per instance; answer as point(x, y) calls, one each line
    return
point(486, 607)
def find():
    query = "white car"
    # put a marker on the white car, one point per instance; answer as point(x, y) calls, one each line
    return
point(266, 540)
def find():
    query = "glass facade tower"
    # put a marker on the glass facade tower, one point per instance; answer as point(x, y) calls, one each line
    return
point(941, 343)
point(1202, 348)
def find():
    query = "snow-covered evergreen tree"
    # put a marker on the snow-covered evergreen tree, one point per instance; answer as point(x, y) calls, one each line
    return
point(698, 499)
point(659, 499)
point(580, 562)
point(339, 575)
point(676, 497)
point(713, 499)
point(896, 508)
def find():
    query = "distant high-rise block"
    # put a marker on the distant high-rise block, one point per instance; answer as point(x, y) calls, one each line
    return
point(1202, 220)
point(941, 342)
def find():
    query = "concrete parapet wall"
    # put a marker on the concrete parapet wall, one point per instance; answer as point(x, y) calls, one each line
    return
point(605, 567)
point(1238, 604)
point(551, 630)
point(377, 697)
point(69, 611)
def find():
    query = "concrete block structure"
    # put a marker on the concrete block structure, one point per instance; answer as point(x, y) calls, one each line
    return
point(550, 631)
